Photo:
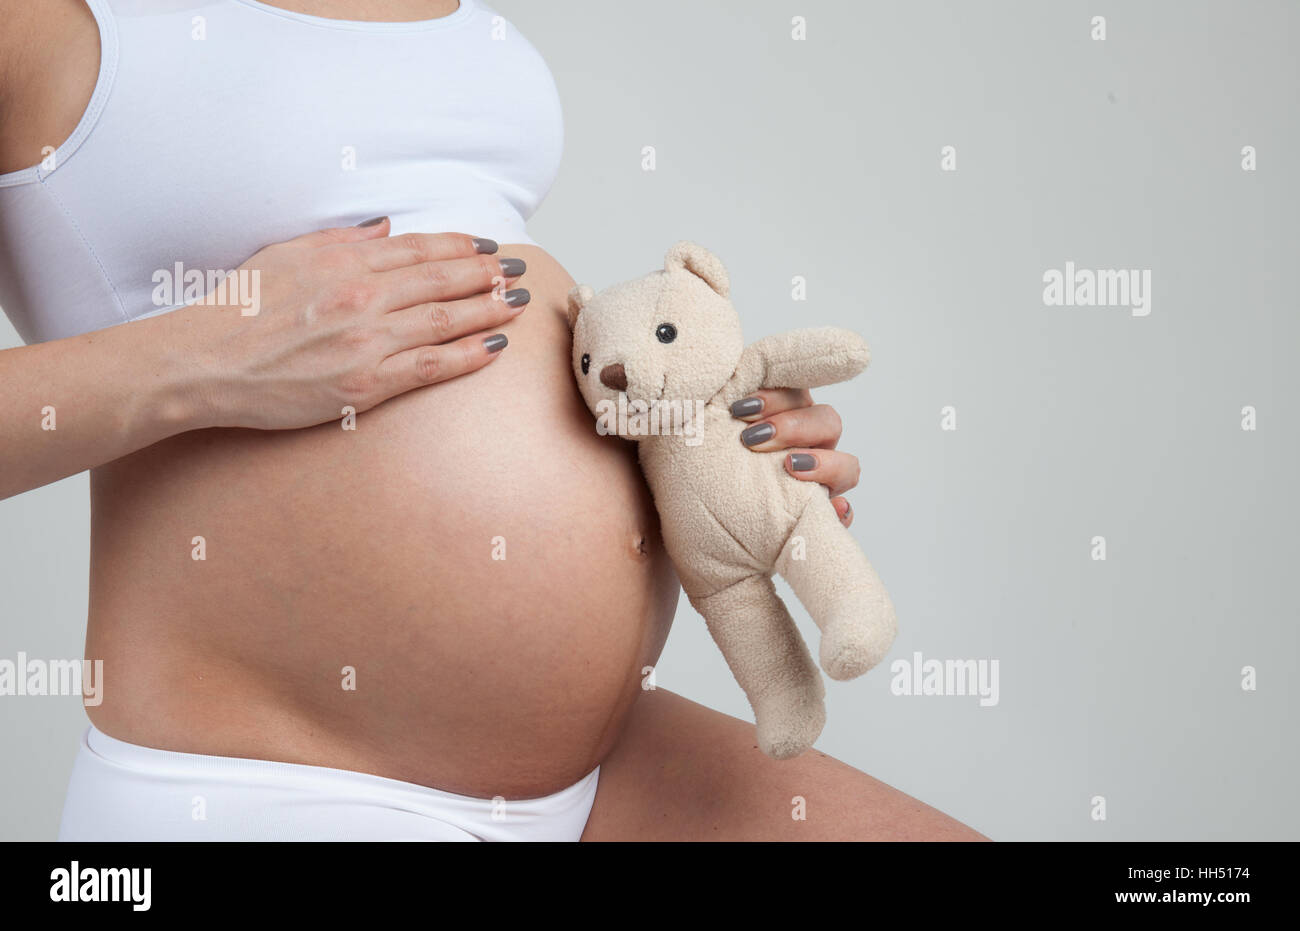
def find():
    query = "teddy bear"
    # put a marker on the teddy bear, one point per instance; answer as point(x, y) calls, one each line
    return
point(659, 360)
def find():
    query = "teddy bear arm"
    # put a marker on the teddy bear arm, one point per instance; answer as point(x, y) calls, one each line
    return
point(748, 376)
point(811, 358)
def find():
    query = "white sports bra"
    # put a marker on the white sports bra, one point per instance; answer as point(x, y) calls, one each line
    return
point(217, 127)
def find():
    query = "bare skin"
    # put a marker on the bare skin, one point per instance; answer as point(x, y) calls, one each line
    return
point(372, 549)
point(697, 775)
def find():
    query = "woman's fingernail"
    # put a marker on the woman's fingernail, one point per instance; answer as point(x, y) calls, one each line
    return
point(747, 407)
point(758, 433)
point(517, 297)
point(848, 509)
point(484, 246)
point(373, 221)
point(512, 268)
point(495, 343)
point(802, 462)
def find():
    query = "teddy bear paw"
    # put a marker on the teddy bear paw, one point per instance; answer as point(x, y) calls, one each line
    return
point(788, 728)
point(850, 649)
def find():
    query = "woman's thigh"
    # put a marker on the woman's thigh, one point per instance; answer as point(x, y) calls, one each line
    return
point(682, 771)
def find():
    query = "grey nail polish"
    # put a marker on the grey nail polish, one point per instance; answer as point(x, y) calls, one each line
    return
point(512, 268)
point(848, 508)
point(495, 343)
point(747, 407)
point(373, 221)
point(484, 246)
point(802, 462)
point(758, 433)
point(517, 297)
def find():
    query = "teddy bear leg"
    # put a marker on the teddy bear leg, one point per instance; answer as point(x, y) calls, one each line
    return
point(751, 626)
point(840, 588)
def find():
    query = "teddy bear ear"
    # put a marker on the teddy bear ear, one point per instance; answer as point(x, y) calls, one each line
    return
point(700, 262)
point(578, 298)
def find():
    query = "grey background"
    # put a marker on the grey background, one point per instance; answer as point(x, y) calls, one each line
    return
point(821, 158)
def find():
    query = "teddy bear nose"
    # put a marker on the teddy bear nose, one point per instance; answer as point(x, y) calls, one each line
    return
point(613, 376)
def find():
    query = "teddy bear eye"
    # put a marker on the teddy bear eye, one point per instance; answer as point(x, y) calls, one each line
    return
point(586, 363)
point(666, 332)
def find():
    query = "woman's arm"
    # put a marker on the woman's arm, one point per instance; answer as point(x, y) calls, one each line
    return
point(75, 403)
point(346, 318)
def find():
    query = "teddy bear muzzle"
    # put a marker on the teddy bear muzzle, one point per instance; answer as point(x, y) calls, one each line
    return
point(614, 376)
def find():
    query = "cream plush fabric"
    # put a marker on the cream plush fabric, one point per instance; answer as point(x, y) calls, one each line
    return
point(731, 517)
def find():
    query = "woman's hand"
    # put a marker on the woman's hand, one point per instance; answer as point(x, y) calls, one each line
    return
point(787, 418)
point(346, 318)
point(340, 318)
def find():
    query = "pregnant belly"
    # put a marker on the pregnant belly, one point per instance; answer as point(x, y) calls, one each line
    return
point(462, 592)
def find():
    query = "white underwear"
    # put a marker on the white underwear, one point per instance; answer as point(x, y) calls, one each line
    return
point(123, 792)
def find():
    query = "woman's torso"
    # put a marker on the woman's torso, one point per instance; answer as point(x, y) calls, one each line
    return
point(464, 590)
